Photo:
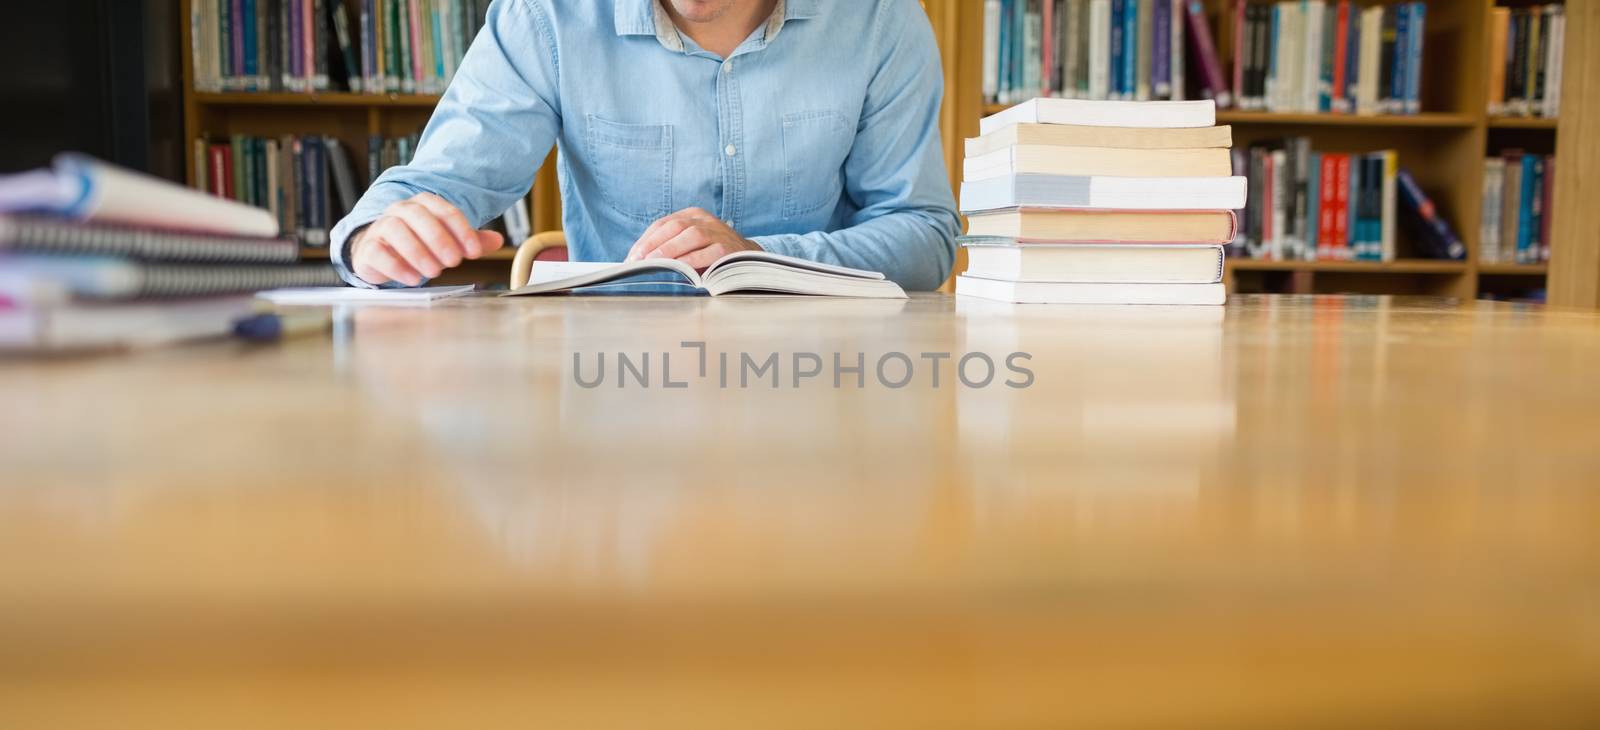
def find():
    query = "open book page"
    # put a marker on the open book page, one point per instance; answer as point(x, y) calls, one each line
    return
point(744, 271)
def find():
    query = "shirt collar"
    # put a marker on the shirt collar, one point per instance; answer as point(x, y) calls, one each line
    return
point(647, 17)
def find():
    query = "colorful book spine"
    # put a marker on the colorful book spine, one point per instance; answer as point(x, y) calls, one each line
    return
point(1205, 51)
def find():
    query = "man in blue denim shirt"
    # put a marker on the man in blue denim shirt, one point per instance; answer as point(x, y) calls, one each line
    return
point(687, 129)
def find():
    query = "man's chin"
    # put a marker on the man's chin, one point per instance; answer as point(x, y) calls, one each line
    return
point(701, 11)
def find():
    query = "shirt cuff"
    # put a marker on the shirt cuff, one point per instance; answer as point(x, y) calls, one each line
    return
point(783, 244)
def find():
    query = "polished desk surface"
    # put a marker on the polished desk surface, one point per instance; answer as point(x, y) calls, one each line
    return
point(1331, 511)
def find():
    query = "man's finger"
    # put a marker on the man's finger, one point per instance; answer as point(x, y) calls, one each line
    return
point(454, 220)
point(690, 240)
point(705, 257)
point(433, 234)
point(490, 241)
point(391, 265)
point(663, 229)
point(653, 240)
point(394, 232)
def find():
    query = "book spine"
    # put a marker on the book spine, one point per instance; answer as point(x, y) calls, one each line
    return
point(1047, 47)
point(1327, 204)
point(1354, 210)
point(1341, 54)
point(414, 45)
point(1272, 96)
point(1312, 212)
point(1143, 50)
point(1389, 39)
point(1175, 31)
point(1130, 50)
point(219, 170)
point(1525, 208)
point(1205, 51)
point(252, 64)
point(1398, 92)
point(1498, 19)
point(1160, 50)
point(1032, 33)
point(1545, 196)
point(1391, 166)
point(1541, 64)
point(991, 51)
point(1099, 49)
point(1419, 21)
point(1341, 208)
point(1241, 44)
point(1312, 32)
point(1516, 73)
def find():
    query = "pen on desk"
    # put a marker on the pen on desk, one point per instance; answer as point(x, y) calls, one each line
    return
point(276, 327)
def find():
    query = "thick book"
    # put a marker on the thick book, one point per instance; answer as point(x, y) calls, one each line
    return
point(1105, 226)
point(1213, 83)
point(739, 272)
point(1049, 160)
point(1090, 113)
point(40, 234)
point(86, 189)
point(1065, 135)
point(1028, 292)
point(1123, 193)
point(98, 278)
point(1005, 259)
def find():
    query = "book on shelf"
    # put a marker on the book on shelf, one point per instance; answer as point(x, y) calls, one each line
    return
point(1526, 49)
point(1328, 56)
point(1514, 226)
point(739, 272)
point(1084, 49)
point(359, 46)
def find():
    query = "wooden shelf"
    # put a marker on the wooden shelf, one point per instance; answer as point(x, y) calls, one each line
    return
point(1402, 266)
point(1514, 269)
point(1522, 123)
point(1436, 120)
point(248, 98)
point(320, 253)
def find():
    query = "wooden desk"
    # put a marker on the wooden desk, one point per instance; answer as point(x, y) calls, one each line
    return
point(1333, 512)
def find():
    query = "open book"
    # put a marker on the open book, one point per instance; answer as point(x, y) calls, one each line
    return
point(744, 271)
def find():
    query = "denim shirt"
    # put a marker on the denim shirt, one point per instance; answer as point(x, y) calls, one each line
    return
point(818, 137)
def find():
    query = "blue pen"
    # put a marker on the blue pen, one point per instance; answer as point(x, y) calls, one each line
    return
point(276, 327)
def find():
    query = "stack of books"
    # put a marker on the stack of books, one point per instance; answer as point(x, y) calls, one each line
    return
point(92, 256)
point(361, 46)
point(1099, 202)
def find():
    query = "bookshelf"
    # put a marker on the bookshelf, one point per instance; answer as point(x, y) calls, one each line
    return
point(1443, 146)
point(351, 118)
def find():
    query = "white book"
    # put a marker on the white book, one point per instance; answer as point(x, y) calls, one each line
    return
point(1026, 292)
point(1099, 49)
point(1280, 198)
point(1291, 39)
point(1108, 161)
point(1555, 50)
point(1315, 12)
point(1115, 193)
point(1088, 113)
point(1371, 49)
point(325, 295)
point(740, 272)
point(1488, 230)
point(991, 49)
point(1002, 259)
point(81, 187)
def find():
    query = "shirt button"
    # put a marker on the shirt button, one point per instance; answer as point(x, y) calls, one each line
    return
point(730, 150)
point(727, 67)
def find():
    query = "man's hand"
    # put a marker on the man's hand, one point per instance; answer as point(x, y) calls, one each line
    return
point(417, 238)
point(692, 236)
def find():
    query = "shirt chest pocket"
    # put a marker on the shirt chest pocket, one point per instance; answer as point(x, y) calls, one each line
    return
point(815, 144)
point(633, 165)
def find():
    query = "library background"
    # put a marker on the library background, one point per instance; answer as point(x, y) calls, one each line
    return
point(1403, 147)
